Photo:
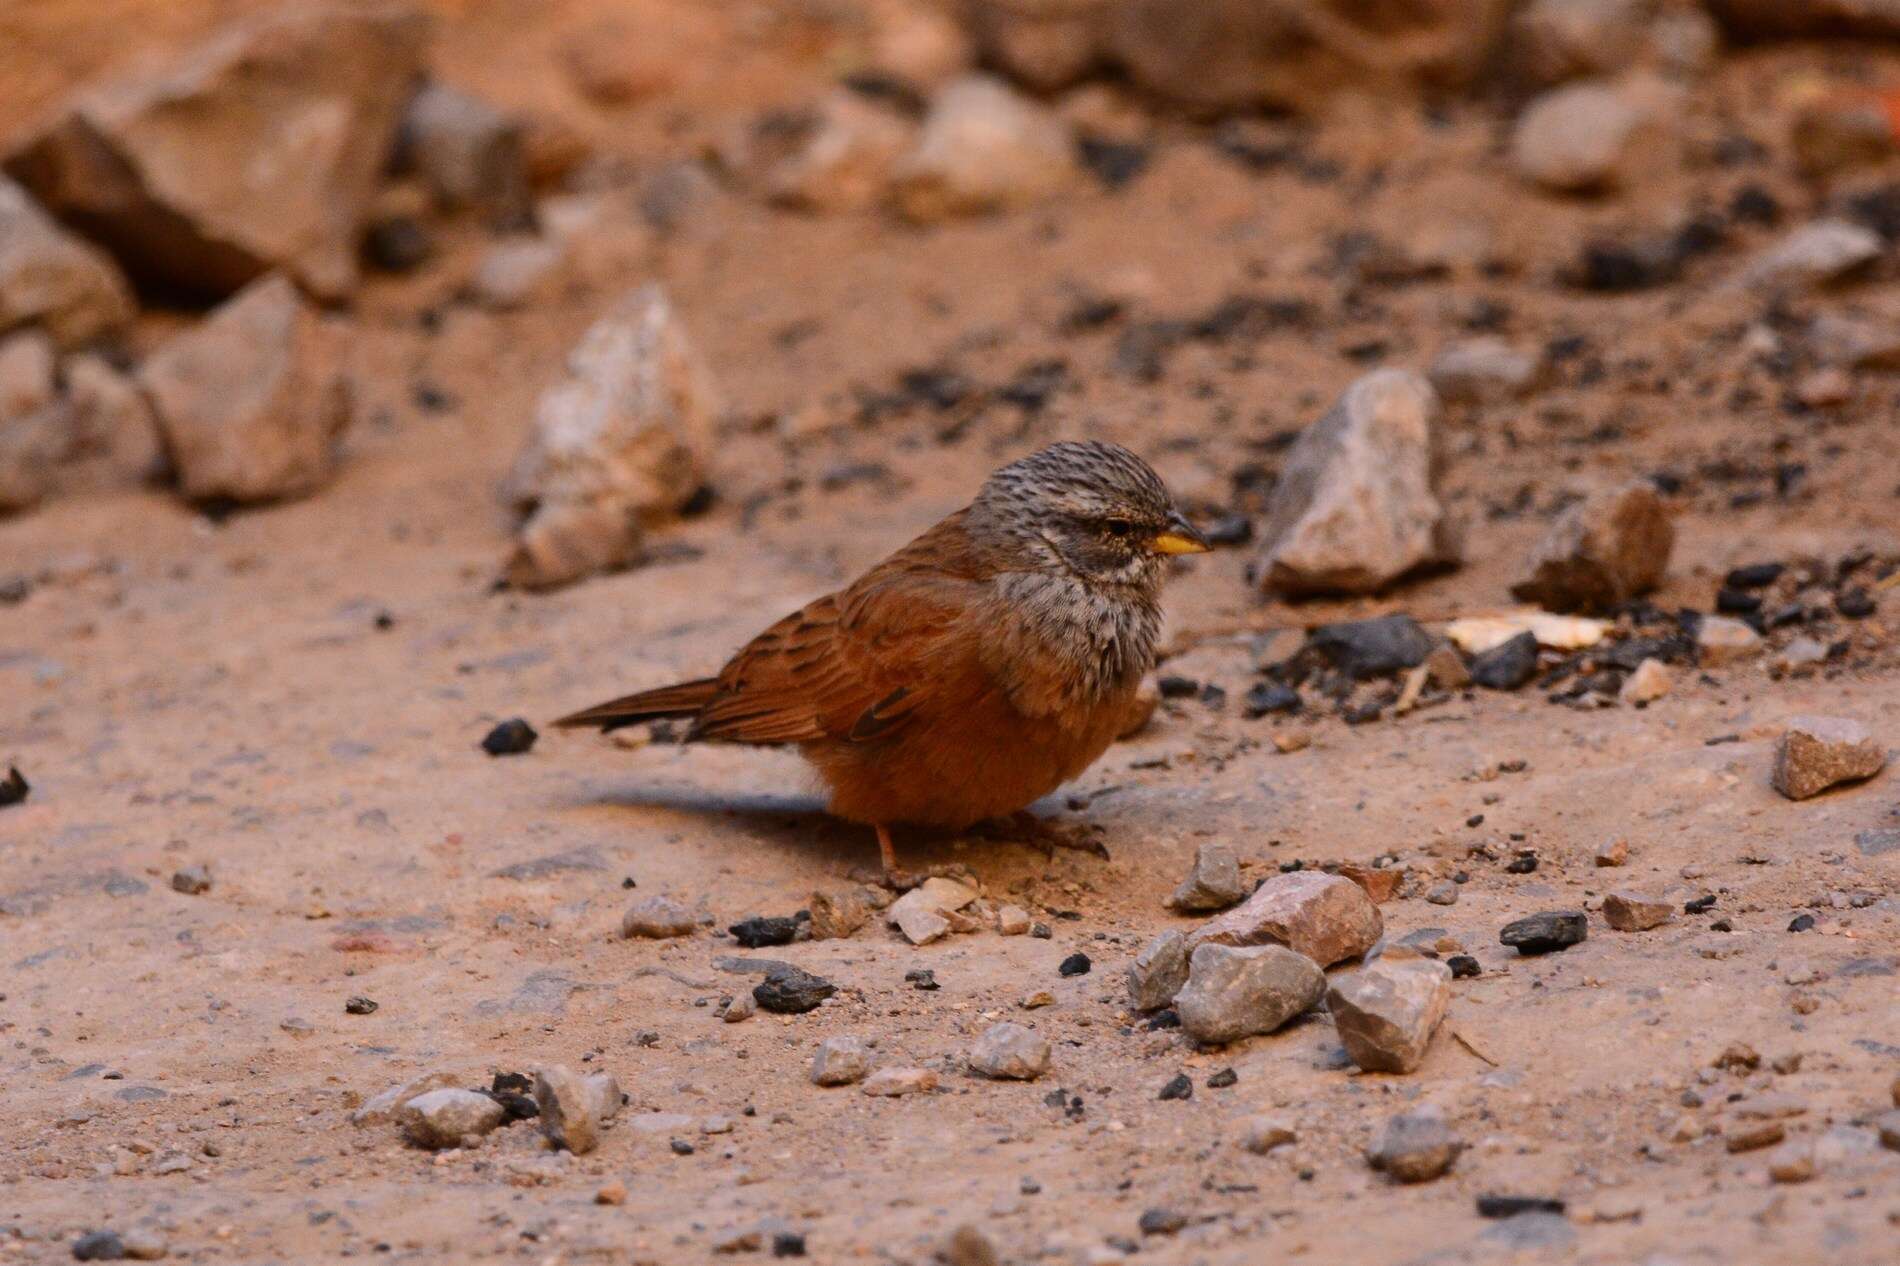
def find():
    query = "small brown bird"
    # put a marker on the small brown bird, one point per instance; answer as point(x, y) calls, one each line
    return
point(973, 671)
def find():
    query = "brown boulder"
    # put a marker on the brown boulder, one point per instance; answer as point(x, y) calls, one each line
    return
point(253, 401)
point(1601, 552)
point(52, 279)
point(1815, 753)
point(257, 150)
point(1322, 916)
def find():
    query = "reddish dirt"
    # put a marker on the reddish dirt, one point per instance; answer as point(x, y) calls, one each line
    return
point(189, 691)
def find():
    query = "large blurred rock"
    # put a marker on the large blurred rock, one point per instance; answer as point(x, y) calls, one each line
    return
point(1759, 18)
point(33, 423)
point(1357, 503)
point(468, 153)
point(253, 400)
point(984, 147)
point(1045, 44)
point(114, 440)
point(1594, 136)
point(257, 150)
point(1601, 552)
point(1219, 54)
point(619, 443)
point(1555, 40)
point(52, 279)
point(845, 159)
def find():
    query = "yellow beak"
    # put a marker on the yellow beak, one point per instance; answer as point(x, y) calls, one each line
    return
point(1179, 537)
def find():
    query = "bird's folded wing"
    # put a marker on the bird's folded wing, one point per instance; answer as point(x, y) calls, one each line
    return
point(853, 666)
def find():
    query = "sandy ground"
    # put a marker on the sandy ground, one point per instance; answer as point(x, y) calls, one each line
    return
point(182, 690)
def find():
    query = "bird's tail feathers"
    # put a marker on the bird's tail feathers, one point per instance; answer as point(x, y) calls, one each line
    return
point(682, 700)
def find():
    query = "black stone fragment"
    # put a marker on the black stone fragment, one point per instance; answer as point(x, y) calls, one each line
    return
point(1163, 1020)
point(397, 244)
point(788, 1244)
point(510, 738)
point(1801, 923)
point(13, 788)
point(759, 933)
point(360, 1006)
point(1162, 1221)
point(510, 1090)
point(99, 1246)
point(1494, 1206)
point(1224, 1078)
point(1522, 864)
point(1463, 966)
point(1371, 648)
point(923, 979)
point(1855, 603)
point(1736, 601)
point(1173, 686)
point(1229, 529)
point(1178, 1088)
point(792, 991)
point(1075, 965)
point(1508, 665)
point(1114, 163)
point(1753, 575)
point(1547, 932)
point(681, 1147)
point(1267, 697)
point(1699, 905)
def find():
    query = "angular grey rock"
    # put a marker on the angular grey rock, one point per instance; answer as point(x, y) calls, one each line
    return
point(1601, 552)
point(1592, 136)
point(601, 1092)
point(1213, 884)
point(1386, 1012)
point(443, 1118)
point(1325, 917)
point(467, 153)
point(383, 1106)
point(983, 147)
point(1627, 911)
point(920, 914)
point(1158, 972)
point(257, 150)
point(620, 442)
point(1485, 370)
point(840, 1061)
point(1010, 1052)
point(253, 401)
point(1720, 639)
point(1816, 753)
point(53, 279)
point(1236, 991)
point(1357, 503)
point(567, 1114)
point(656, 918)
point(1814, 255)
point(1416, 1146)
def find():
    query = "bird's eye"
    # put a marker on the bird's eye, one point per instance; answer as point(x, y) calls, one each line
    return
point(1117, 527)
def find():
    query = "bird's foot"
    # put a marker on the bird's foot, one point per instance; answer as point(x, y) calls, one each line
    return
point(1025, 827)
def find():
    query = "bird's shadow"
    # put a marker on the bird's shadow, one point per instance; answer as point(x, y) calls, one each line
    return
point(794, 825)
